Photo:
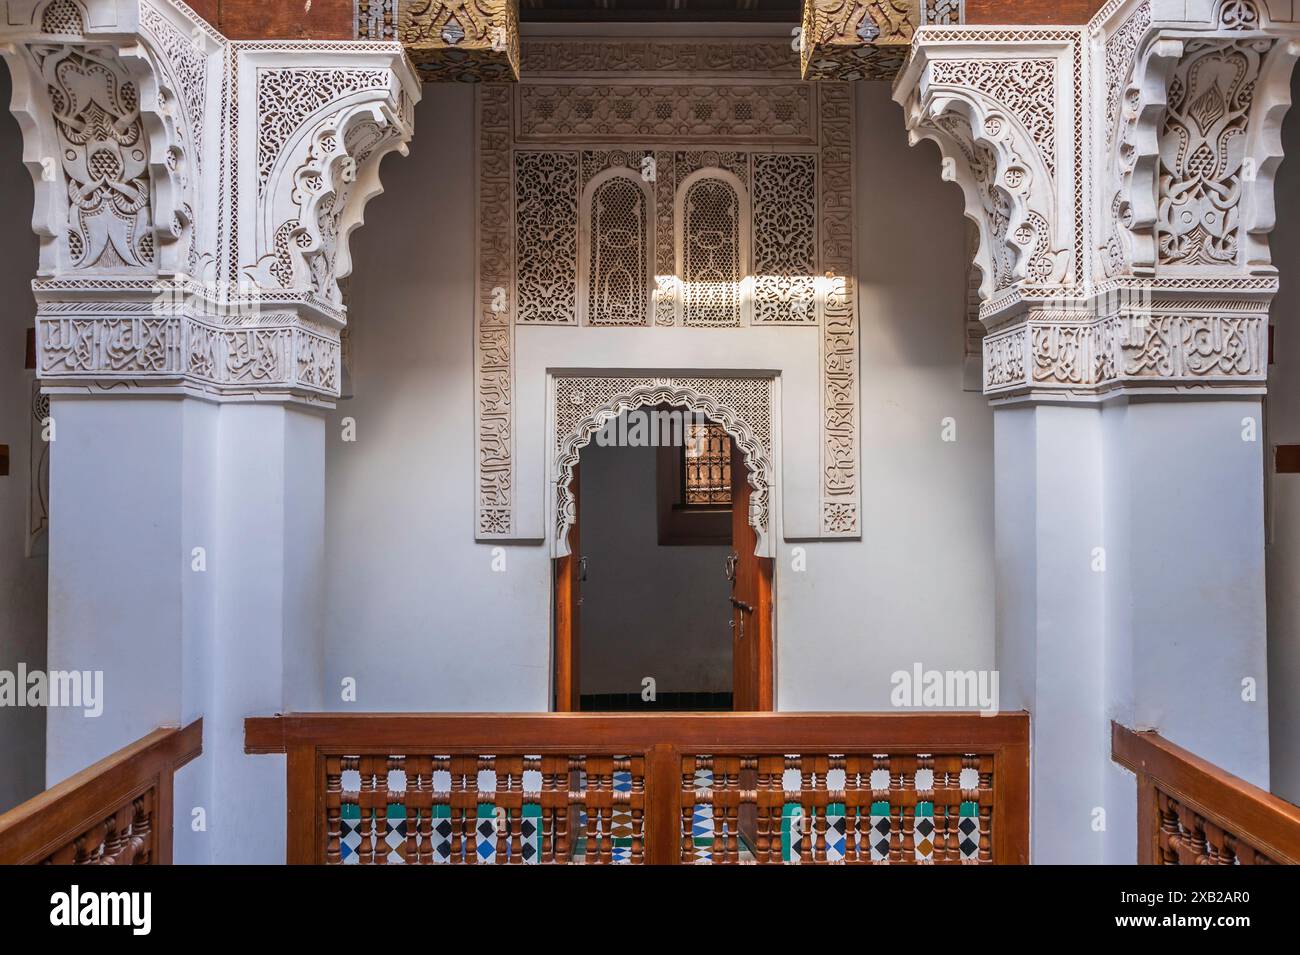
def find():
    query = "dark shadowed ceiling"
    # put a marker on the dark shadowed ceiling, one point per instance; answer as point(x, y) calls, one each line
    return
point(594, 11)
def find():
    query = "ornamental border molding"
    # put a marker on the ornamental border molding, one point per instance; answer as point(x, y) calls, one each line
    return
point(743, 406)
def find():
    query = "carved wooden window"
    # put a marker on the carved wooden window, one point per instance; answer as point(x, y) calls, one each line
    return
point(706, 466)
point(694, 487)
point(617, 262)
point(712, 217)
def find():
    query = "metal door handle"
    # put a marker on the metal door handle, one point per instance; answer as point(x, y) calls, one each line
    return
point(730, 566)
point(582, 568)
point(741, 605)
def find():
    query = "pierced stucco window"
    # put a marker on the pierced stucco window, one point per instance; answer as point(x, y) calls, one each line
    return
point(617, 220)
point(713, 248)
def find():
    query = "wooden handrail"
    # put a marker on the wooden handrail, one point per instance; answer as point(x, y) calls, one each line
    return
point(117, 811)
point(1192, 812)
point(635, 775)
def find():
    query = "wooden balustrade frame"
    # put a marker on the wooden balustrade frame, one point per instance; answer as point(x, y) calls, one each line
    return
point(662, 740)
point(117, 811)
point(1237, 821)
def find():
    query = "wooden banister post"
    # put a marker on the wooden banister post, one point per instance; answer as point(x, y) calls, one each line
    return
point(663, 768)
point(303, 841)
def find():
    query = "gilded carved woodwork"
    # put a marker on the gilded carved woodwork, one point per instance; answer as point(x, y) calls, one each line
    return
point(194, 196)
point(667, 208)
point(1149, 268)
point(448, 40)
point(865, 39)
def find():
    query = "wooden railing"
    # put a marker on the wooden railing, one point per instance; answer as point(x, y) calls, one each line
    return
point(1191, 812)
point(116, 812)
point(663, 789)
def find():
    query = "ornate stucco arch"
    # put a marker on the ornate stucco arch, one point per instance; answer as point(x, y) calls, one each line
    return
point(582, 405)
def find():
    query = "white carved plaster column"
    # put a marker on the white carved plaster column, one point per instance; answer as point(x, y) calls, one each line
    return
point(194, 199)
point(1120, 176)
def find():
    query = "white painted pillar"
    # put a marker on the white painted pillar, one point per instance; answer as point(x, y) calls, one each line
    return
point(187, 567)
point(1050, 613)
point(1130, 575)
point(188, 330)
point(1125, 351)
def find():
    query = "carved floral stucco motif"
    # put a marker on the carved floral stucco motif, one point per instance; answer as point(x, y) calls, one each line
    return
point(1169, 282)
point(194, 221)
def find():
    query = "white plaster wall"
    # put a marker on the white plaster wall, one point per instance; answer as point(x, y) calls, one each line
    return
point(1283, 416)
point(414, 610)
point(647, 610)
point(22, 578)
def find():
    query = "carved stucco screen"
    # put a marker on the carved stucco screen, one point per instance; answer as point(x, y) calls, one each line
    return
point(613, 191)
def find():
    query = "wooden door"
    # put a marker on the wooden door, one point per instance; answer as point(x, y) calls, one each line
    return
point(568, 615)
point(751, 602)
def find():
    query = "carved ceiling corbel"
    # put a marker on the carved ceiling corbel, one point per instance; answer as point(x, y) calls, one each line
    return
point(1003, 119)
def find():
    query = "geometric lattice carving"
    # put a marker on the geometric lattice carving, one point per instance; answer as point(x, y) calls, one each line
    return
point(546, 235)
point(617, 274)
point(713, 267)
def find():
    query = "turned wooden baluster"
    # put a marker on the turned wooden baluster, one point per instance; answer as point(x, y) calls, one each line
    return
point(1191, 848)
point(399, 798)
point(501, 846)
point(769, 772)
point(808, 822)
point(926, 762)
point(637, 767)
point(894, 797)
point(984, 767)
point(578, 800)
point(854, 826)
point(441, 797)
point(419, 790)
point(905, 792)
point(366, 800)
point(381, 797)
point(511, 769)
point(333, 810)
point(729, 767)
point(686, 807)
point(464, 849)
point(1169, 834)
point(555, 808)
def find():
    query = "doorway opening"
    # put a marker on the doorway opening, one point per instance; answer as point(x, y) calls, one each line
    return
point(662, 603)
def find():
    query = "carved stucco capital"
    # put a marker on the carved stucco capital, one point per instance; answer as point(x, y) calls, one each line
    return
point(194, 196)
point(1004, 114)
point(1121, 178)
point(865, 39)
